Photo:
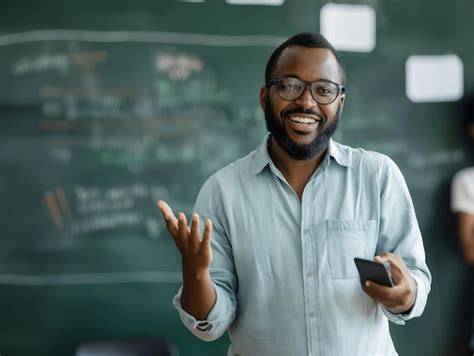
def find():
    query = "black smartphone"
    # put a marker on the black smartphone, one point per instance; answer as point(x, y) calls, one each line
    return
point(374, 271)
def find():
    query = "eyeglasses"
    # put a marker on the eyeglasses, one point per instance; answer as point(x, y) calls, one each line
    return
point(323, 91)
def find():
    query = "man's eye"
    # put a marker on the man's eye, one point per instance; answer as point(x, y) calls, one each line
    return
point(325, 91)
point(288, 87)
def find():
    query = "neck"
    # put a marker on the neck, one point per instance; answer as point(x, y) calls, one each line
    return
point(296, 172)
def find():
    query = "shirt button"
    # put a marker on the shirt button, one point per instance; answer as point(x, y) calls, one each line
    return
point(311, 314)
point(306, 231)
point(309, 274)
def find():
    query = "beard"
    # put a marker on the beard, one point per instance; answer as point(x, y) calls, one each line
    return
point(299, 152)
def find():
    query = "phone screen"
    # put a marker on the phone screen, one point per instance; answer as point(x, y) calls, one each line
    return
point(374, 271)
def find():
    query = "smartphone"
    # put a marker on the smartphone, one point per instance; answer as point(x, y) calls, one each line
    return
point(374, 271)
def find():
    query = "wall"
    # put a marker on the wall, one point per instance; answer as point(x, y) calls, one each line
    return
point(105, 108)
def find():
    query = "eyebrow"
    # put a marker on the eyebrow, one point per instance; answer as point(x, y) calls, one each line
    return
point(317, 80)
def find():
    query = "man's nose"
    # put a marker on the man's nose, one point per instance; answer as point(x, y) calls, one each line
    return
point(306, 99)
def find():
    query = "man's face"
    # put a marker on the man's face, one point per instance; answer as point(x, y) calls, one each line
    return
point(302, 127)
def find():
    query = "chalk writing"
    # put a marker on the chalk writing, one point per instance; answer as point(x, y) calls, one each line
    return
point(436, 159)
point(105, 222)
point(44, 62)
point(88, 208)
point(178, 66)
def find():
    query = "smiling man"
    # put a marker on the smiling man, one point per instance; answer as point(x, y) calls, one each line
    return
point(275, 264)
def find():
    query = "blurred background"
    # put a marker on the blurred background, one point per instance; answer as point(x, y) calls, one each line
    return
point(107, 106)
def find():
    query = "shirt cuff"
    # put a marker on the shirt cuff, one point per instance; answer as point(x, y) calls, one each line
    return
point(190, 321)
point(416, 309)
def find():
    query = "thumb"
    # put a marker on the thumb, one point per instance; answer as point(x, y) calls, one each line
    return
point(395, 267)
point(381, 259)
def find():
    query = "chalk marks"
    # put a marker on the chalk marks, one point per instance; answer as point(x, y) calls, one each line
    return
point(53, 209)
point(42, 63)
point(142, 37)
point(437, 158)
point(58, 62)
point(91, 278)
point(178, 66)
point(87, 209)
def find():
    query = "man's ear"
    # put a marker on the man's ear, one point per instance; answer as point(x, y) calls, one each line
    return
point(263, 97)
point(342, 99)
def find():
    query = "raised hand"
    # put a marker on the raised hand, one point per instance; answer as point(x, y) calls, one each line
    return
point(196, 253)
point(198, 295)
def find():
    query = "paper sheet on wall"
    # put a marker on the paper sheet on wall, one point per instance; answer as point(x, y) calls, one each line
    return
point(349, 27)
point(434, 78)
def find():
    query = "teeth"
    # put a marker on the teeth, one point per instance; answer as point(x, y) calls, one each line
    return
point(302, 120)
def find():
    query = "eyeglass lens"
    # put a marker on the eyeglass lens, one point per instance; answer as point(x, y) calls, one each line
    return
point(323, 92)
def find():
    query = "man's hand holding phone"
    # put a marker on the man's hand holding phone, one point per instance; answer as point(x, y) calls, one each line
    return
point(399, 298)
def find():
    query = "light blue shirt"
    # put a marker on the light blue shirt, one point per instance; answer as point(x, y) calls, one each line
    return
point(283, 269)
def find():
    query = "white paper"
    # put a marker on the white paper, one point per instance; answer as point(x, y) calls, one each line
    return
point(434, 78)
point(348, 27)
point(256, 2)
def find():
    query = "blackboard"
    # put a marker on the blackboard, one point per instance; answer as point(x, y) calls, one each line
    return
point(105, 108)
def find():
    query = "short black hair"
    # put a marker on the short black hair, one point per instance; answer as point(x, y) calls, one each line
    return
point(305, 39)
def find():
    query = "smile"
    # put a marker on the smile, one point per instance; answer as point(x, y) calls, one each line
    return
point(302, 120)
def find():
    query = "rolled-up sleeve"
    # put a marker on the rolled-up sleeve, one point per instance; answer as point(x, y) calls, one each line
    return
point(399, 233)
point(222, 271)
point(218, 320)
point(422, 289)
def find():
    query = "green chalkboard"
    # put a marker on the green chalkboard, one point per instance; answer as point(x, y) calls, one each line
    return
point(104, 108)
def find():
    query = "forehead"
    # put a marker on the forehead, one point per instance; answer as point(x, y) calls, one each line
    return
point(308, 64)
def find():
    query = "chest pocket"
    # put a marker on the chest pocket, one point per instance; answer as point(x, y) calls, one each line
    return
point(348, 239)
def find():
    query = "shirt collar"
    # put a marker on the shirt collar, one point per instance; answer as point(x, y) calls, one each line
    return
point(262, 157)
point(340, 155)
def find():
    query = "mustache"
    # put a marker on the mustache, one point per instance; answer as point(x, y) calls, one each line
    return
point(303, 111)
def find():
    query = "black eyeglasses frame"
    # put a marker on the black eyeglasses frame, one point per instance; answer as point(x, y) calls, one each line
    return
point(341, 88)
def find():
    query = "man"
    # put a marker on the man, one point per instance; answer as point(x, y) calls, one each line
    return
point(287, 221)
point(462, 204)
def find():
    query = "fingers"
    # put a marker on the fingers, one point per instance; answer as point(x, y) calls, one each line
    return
point(397, 299)
point(396, 265)
point(378, 290)
point(178, 227)
point(380, 297)
point(388, 296)
point(165, 209)
point(206, 239)
point(400, 297)
point(194, 234)
point(381, 259)
point(387, 257)
point(182, 235)
point(171, 221)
